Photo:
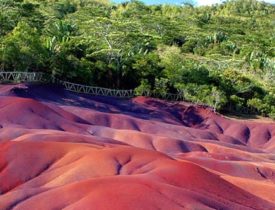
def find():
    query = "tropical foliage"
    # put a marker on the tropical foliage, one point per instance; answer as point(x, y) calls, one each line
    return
point(221, 55)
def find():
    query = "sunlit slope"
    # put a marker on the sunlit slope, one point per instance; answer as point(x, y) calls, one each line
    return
point(61, 150)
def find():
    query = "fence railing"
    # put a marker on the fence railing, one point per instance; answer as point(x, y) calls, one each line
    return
point(16, 77)
point(21, 77)
point(166, 96)
point(98, 91)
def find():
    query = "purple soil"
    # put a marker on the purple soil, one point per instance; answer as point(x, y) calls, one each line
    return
point(60, 150)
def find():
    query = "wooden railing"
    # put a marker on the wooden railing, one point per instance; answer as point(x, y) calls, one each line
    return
point(17, 77)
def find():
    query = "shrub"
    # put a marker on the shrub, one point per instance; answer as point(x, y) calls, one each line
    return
point(143, 89)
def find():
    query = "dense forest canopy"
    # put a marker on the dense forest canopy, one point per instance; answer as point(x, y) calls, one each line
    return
point(221, 55)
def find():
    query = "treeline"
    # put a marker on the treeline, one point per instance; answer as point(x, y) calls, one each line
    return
point(221, 55)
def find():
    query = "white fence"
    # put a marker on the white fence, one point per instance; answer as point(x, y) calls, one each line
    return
point(16, 77)
point(21, 77)
point(98, 91)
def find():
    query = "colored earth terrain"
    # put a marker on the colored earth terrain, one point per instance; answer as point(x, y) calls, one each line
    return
point(61, 150)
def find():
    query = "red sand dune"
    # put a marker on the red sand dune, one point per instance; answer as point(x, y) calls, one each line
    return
point(60, 150)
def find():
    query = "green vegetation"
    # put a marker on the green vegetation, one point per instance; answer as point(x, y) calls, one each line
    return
point(221, 55)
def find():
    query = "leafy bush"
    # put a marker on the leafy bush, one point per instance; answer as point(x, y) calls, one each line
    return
point(161, 86)
point(143, 89)
point(272, 113)
point(204, 94)
point(221, 55)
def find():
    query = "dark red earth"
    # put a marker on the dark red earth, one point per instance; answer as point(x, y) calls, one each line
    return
point(60, 150)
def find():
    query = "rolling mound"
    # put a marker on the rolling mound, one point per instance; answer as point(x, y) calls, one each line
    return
point(60, 150)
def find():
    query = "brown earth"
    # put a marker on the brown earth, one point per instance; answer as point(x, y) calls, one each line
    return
point(60, 150)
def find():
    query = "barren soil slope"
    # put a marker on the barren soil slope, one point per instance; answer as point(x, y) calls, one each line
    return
point(60, 150)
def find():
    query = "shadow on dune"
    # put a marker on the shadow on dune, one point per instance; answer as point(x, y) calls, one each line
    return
point(141, 153)
point(140, 107)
